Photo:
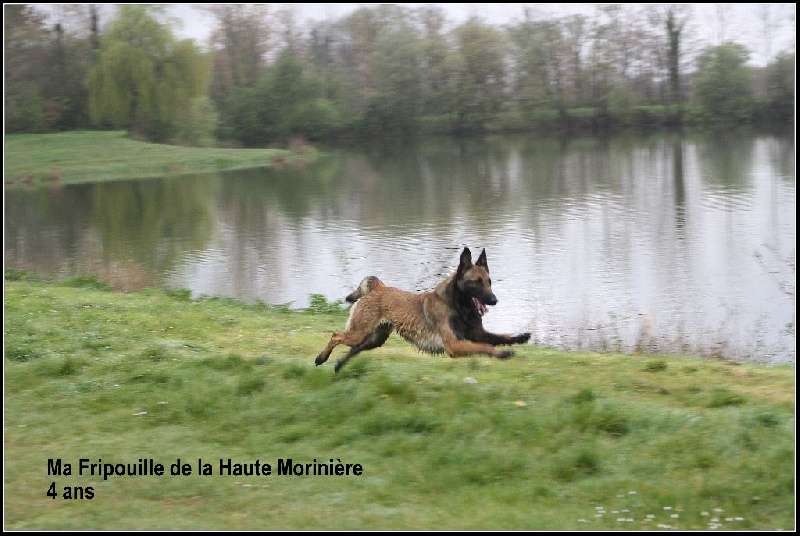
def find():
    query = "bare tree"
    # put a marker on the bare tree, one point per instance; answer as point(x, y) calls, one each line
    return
point(288, 33)
point(241, 42)
point(674, 27)
point(672, 21)
point(723, 12)
point(575, 30)
point(765, 16)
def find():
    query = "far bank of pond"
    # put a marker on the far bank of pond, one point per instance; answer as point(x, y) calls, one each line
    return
point(667, 243)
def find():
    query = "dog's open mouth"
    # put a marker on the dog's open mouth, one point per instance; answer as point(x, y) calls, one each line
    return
point(480, 306)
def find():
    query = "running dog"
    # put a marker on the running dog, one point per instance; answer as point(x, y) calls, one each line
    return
point(446, 319)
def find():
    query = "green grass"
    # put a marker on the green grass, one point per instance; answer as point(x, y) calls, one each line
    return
point(88, 156)
point(547, 440)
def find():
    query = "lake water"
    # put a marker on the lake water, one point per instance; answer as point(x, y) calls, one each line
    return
point(665, 243)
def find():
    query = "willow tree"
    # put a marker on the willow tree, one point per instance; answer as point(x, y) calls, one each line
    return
point(145, 80)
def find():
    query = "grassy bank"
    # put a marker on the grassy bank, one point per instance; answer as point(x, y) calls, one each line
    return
point(86, 156)
point(545, 440)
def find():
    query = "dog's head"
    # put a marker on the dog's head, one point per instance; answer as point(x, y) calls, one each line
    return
point(367, 285)
point(473, 281)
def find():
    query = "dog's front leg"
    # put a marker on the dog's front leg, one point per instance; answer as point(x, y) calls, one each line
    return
point(522, 338)
point(496, 339)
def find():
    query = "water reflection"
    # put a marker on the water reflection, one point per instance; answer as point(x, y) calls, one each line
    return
point(661, 243)
point(129, 232)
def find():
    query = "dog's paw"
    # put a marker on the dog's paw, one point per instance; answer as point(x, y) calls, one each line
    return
point(522, 338)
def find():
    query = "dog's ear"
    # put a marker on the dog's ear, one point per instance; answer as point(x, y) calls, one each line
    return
point(482, 260)
point(466, 261)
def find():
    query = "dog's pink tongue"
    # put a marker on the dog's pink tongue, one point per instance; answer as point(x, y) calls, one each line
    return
point(482, 309)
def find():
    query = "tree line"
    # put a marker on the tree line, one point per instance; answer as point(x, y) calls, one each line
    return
point(381, 70)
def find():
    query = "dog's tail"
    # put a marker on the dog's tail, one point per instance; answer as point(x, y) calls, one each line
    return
point(367, 285)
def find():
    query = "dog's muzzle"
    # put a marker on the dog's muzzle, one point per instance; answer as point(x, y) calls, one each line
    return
point(480, 306)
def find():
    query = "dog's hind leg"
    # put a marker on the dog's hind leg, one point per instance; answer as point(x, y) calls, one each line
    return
point(460, 348)
point(336, 340)
point(373, 340)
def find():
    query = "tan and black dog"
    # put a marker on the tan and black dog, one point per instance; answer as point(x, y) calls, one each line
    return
point(446, 319)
